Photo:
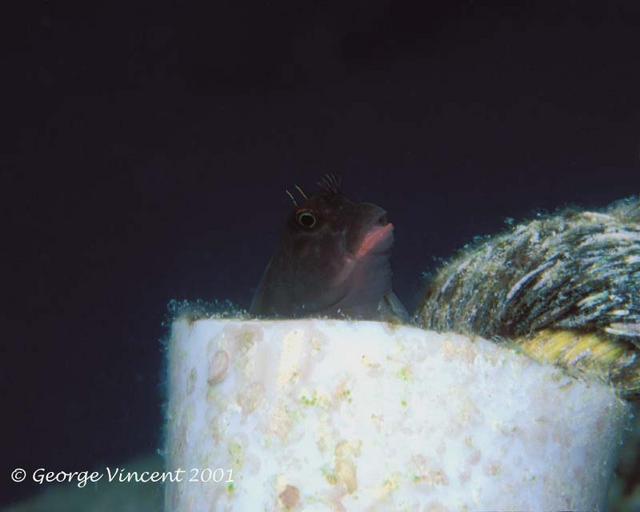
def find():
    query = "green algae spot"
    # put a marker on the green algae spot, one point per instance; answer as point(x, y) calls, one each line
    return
point(309, 402)
point(329, 475)
point(315, 400)
point(237, 453)
point(331, 478)
point(405, 374)
point(345, 395)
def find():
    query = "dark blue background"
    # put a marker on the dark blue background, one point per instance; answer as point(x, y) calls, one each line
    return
point(145, 149)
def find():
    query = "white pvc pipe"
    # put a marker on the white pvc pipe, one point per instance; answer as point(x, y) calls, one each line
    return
point(335, 415)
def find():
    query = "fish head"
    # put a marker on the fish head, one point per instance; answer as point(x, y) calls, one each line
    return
point(333, 260)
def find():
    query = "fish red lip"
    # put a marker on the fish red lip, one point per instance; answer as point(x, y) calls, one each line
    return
point(374, 238)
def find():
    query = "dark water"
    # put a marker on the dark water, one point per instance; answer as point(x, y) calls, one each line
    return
point(146, 152)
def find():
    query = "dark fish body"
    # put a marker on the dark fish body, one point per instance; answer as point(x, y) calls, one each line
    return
point(564, 288)
point(333, 260)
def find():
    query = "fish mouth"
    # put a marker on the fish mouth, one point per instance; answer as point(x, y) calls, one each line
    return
point(378, 239)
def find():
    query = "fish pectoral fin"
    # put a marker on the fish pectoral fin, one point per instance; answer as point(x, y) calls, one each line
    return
point(391, 305)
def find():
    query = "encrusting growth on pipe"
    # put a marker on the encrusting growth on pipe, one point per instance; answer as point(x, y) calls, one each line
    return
point(564, 288)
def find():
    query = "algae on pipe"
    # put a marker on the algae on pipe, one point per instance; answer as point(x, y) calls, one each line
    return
point(549, 436)
point(339, 415)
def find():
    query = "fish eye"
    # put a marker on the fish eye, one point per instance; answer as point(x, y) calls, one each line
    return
point(306, 219)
